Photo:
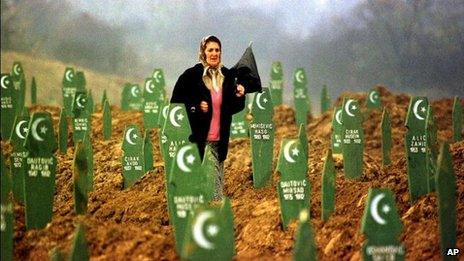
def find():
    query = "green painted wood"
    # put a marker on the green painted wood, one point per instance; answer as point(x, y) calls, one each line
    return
point(162, 116)
point(147, 150)
point(39, 181)
point(301, 97)
point(87, 143)
point(107, 126)
point(293, 188)
point(373, 99)
point(134, 98)
point(386, 139)
point(210, 233)
point(239, 126)
point(125, 96)
point(132, 160)
point(447, 200)
point(382, 227)
point(82, 121)
point(33, 91)
point(6, 209)
point(277, 83)
point(337, 126)
point(18, 156)
point(153, 99)
point(8, 105)
point(416, 148)
point(158, 75)
point(79, 250)
point(352, 138)
point(80, 178)
point(186, 189)
point(262, 138)
point(325, 99)
point(17, 71)
point(104, 98)
point(20, 87)
point(328, 187)
point(302, 136)
point(457, 119)
point(91, 103)
point(63, 132)
point(69, 87)
point(56, 254)
point(431, 134)
point(305, 248)
point(81, 83)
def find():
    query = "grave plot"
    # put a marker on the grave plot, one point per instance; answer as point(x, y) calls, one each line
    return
point(276, 85)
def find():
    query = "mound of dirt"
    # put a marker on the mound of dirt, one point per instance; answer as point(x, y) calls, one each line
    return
point(133, 223)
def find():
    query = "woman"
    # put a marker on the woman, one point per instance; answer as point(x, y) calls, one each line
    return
point(211, 94)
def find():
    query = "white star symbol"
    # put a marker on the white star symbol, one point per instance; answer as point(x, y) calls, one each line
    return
point(180, 116)
point(25, 129)
point(134, 136)
point(7, 82)
point(376, 96)
point(43, 129)
point(423, 109)
point(386, 209)
point(265, 100)
point(353, 107)
point(190, 159)
point(295, 151)
point(213, 230)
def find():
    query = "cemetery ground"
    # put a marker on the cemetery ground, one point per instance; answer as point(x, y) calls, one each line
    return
point(133, 224)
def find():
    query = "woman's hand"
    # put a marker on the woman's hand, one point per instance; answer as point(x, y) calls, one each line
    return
point(240, 91)
point(204, 106)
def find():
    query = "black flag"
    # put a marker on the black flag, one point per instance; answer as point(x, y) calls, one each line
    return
point(247, 72)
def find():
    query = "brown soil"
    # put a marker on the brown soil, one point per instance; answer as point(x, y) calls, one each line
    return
point(133, 223)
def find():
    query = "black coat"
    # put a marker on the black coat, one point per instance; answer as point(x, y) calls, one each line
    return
point(191, 91)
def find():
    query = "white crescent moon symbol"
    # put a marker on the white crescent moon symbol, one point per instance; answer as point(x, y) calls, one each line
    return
point(34, 133)
point(165, 111)
point(258, 101)
point(15, 69)
point(128, 138)
point(338, 116)
point(148, 86)
point(197, 230)
point(347, 107)
point(18, 129)
point(416, 105)
point(2, 81)
point(375, 211)
point(157, 76)
point(275, 68)
point(172, 115)
point(299, 76)
point(371, 97)
point(78, 101)
point(180, 158)
point(134, 91)
point(287, 151)
point(68, 75)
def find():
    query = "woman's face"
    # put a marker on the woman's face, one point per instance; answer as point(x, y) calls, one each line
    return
point(213, 54)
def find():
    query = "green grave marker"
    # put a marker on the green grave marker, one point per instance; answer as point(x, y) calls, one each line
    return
point(373, 100)
point(328, 187)
point(187, 188)
point(293, 188)
point(382, 227)
point(303, 140)
point(305, 248)
point(352, 138)
point(300, 97)
point(325, 99)
point(457, 119)
point(277, 83)
point(446, 193)
point(80, 178)
point(147, 151)
point(91, 104)
point(79, 250)
point(262, 138)
point(6, 209)
point(107, 126)
point(69, 87)
point(33, 91)
point(17, 71)
point(8, 105)
point(132, 159)
point(63, 132)
point(210, 233)
point(158, 75)
point(135, 98)
point(431, 133)
point(87, 142)
point(125, 96)
point(56, 255)
point(239, 126)
point(81, 83)
point(162, 116)
point(18, 156)
point(39, 185)
point(20, 93)
point(153, 99)
point(416, 148)
point(82, 116)
point(104, 98)
point(386, 142)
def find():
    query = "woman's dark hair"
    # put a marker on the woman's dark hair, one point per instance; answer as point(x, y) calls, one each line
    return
point(204, 41)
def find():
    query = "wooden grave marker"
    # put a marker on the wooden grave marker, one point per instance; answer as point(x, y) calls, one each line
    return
point(158, 75)
point(8, 105)
point(87, 143)
point(81, 83)
point(301, 97)
point(132, 159)
point(239, 126)
point(104, 98)
point(107, 126)
point(431, 134)
point(39, 185)
point(82, 116)
point(328, 187)
point(293, 188)
point(19, 82)
point(325, 99)
point(386, 140)
point(91, 103)
point(382, 227)
point(153, 98)
point(302, 136)
point(304, 248)
point(6, 209)
point(277, 83)
point(457, 119)
point(80, 249)
point(373, 99)
point(80, 178)
point(135, 98)
point(352, 138)
point(69, 87)
point(147, 150)
point(33, 91)
point(416, 148)
point(262, 138)
point(18, 156)
point(63, 132)
point(337, 130)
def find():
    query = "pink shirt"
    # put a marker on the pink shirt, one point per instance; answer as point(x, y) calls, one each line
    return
point(215, 125)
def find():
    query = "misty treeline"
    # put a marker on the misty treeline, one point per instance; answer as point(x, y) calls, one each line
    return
point(410, 45)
